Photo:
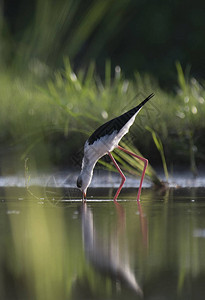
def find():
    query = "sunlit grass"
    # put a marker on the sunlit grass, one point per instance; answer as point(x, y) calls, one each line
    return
point(55, 118)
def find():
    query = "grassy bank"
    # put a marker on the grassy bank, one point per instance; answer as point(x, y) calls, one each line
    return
point(49, 120)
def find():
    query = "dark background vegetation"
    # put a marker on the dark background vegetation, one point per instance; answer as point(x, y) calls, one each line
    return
point(148, 36)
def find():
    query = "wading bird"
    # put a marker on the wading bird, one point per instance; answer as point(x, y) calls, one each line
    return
point(103, 141)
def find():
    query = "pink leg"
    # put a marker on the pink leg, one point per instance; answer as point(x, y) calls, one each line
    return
point(121, 174)
point(143, 172)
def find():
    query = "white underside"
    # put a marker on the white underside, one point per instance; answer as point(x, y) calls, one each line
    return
point(100, 147)
point(93, 152)
point(105, 144)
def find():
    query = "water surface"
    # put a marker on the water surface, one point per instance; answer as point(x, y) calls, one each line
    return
point(54, 247)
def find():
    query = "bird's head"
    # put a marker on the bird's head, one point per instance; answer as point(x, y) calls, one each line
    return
point(83, 182)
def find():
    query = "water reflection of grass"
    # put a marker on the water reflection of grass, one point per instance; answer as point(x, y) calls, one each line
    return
point(43, 256)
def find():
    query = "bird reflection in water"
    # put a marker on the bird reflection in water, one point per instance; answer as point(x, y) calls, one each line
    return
point(109, 254)
point(143, 225)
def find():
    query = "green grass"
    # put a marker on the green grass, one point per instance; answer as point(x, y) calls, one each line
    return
point(54, 117)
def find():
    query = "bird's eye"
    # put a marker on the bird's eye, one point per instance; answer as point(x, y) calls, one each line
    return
point(79, 182)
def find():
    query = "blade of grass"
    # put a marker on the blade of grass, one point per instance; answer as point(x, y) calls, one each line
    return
point(160, 148)
point(132, 166)
point(181, 77)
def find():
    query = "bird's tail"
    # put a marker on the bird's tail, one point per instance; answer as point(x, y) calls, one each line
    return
point(144, 101)
point(126, 116)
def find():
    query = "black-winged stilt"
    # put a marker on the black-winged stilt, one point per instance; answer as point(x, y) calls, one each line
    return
point(103, 141)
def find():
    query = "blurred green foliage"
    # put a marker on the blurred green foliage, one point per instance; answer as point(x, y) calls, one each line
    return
point(55, 118)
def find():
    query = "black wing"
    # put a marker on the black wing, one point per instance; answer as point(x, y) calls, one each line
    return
point(115, 124)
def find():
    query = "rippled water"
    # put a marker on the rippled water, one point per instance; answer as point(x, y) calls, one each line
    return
point(54, 247)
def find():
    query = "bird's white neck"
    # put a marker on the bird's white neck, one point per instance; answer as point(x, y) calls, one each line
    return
point(87, 172)
point(88, 165)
